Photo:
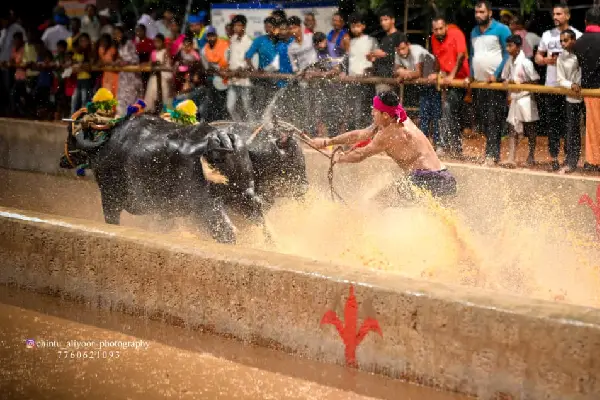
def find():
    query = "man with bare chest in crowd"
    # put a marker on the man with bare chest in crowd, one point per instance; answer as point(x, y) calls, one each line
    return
point(396, 135)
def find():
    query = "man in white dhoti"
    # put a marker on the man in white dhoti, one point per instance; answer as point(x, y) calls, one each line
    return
point(523, 111)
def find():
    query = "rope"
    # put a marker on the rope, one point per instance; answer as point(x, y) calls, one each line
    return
point(307, 141)
point(334, 193)
point(67, 155)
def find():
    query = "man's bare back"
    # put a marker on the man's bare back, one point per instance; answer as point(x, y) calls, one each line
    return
point(411, 149)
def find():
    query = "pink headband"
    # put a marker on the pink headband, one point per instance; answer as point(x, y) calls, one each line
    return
point(397, 112)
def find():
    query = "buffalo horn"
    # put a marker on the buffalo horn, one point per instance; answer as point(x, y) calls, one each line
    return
point(85, 144)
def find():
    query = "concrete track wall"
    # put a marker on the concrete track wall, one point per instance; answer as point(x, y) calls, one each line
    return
point(459, 340)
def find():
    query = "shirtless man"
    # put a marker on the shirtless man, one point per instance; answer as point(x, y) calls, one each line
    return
point(395, 134)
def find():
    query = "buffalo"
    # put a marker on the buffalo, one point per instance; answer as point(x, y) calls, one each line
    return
point(146, 165)
point(277, 160)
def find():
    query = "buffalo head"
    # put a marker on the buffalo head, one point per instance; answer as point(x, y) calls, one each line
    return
point(226, 165)
point(279, 164)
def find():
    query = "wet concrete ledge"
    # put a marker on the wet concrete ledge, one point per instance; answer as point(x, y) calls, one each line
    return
point(462, 340)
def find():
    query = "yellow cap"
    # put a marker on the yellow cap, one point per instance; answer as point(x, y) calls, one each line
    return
point(505, 12)
point(102, 95)
point(187, 107)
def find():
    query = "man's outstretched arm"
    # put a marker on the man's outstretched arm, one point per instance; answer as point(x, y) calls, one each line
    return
point(345, 138)
point(379, 144)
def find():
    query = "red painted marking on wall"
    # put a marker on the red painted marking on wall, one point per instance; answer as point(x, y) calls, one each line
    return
point(347, 329)
point(586, 199)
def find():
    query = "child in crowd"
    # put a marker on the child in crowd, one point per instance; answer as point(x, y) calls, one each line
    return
point(60, 98)
point(45, 81)
point(18, 94)
point(144, 47)
point(30, 56)
point(523, 111)
point(328, 111)
point(82, 59)
point(70, 79)
point(568, 75)
point(160, 57)
point(107, 55)
point(186, 57)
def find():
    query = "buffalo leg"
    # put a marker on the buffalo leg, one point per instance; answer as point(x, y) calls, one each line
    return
point(220, 226)
point(112, 203)
point(111, 209)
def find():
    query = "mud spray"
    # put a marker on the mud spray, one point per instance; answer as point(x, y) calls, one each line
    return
point(504, 244)
point(531, 249)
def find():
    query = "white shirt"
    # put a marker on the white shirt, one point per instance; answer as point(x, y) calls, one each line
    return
point(523, 107)
point(150, 24)
point(91, 27)
point(568, 72)
point(550, 44)
point(417, 55)
point(6, 45)
point(520, 69)
point(53, 35)
point(237, 57)
point(106, 30)
point(302, 55)
point(163, 28)
point(357, 55)
point(532, 39)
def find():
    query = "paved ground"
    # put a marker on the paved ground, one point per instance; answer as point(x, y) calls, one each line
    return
point(474, 146)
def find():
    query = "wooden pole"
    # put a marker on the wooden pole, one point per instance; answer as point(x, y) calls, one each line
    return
point(373, 80)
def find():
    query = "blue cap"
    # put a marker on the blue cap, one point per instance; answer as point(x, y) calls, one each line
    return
point(211, 29)
point(194, 19)
point(202, 15)
point(61, 19)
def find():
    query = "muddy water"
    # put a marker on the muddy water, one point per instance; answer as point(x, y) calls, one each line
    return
point(168, 362)
point(528, 249)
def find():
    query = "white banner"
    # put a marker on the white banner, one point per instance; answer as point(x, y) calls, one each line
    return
point(75, 8)
point(221, 14)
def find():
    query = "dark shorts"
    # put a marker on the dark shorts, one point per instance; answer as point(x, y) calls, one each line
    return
point(439, 183)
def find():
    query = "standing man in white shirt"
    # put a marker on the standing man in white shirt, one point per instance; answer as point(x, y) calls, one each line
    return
point(301, 51)
point(568, 75)
point(12, 26)
point(360, 95)
point(238, 87)
point(554, 105)
point(148, 19)
point(302, 55)
point(106, 27)
point(56, 33)
point(90, 23)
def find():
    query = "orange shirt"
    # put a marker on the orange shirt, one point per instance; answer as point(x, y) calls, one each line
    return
point(447, 51)
point(217, 54)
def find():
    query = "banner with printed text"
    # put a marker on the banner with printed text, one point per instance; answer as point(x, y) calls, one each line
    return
point(75, 8)
point(221, 14)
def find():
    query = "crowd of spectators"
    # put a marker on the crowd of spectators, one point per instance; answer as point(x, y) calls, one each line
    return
point(497, 51)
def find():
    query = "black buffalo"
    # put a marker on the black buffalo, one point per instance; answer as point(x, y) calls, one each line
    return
point(277, 161)
point(150, 166)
